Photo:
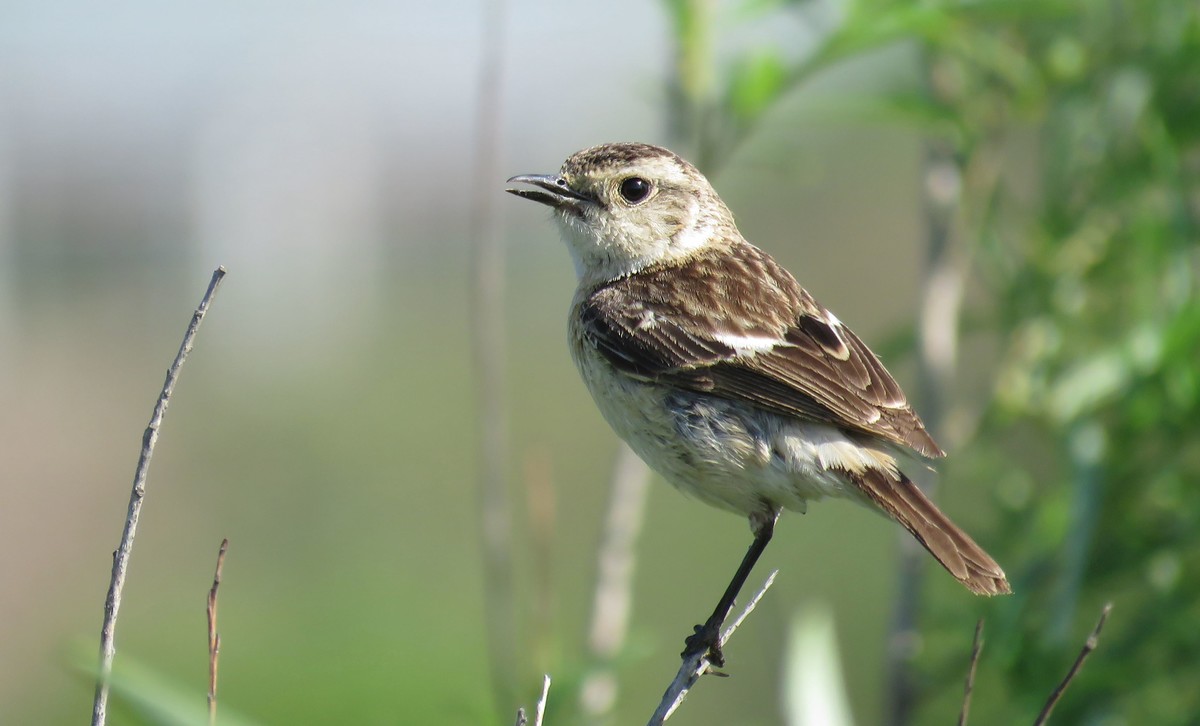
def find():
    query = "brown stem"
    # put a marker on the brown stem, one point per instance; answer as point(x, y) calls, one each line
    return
point(214, 638)
point(969, 686)
point(1088, 646)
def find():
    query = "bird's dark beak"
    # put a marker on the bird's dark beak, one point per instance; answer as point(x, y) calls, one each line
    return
point(552, 190)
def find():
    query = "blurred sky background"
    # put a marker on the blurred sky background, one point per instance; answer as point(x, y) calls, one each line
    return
point(323, 153)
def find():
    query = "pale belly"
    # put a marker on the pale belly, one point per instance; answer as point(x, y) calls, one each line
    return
point(724, 453)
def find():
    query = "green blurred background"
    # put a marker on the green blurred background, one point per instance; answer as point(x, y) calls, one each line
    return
point(326, 422)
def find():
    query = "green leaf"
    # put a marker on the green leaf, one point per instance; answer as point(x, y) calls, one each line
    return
point(756, 83)
point(156, 698)
point(908, 109)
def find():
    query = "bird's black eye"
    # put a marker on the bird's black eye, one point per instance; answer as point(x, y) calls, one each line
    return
point(634, 189)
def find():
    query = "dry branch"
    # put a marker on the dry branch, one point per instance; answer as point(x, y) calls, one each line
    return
point(696, 665)
point(1088, 646)
point(976, 647)
point(120, 566)
point(942, 284)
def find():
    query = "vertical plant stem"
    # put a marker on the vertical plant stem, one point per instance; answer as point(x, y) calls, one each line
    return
point(488, 341)
point(1085, 445)
point(692, 76)
point(613, 598)
point(937, 333)
point(214, 638)
point(541, 515)
point(540, 713)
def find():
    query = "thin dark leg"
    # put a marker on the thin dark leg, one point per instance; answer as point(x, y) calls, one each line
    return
point(707, 637)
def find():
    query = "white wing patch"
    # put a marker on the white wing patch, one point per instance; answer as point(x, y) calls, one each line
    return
point(749, 345)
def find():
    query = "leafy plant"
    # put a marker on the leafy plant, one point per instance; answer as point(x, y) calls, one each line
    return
point(1075, 128)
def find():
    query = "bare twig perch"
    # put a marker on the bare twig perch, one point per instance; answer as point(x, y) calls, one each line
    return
point(976, 646)
point(121, 557)
point(214, 638)
point(696, 665)
point(1088, 646)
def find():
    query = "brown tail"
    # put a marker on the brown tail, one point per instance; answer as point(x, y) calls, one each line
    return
point(904, 502)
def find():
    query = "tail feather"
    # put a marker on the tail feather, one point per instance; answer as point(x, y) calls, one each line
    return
point(904, 502)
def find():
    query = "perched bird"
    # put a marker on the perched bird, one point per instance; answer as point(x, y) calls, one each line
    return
point(721, 372)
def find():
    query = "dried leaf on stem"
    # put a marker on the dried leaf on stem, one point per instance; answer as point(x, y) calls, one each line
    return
point(214, 638)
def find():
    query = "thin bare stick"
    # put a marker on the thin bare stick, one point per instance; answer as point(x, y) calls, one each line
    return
point(697, 664)
point(488, 341)
point(214, 638)
point(522, 719)
point(976, 647)
point(1088, 646)
point(541, 705)
point(120, 566)
point(613, 597)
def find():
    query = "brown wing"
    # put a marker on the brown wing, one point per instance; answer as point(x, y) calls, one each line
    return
point(738, 326)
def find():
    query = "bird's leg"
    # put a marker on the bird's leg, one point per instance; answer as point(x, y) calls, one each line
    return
point(707, 638)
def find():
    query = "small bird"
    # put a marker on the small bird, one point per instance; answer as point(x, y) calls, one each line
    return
point(724, 374)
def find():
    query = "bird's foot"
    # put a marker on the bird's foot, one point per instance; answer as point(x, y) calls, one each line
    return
point(706, 641)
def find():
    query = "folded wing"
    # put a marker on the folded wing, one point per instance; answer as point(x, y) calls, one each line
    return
point(738, 326)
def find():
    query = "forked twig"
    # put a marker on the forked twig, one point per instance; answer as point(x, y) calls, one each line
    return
point(1088, 646)
point(214, 638)
point(120, 566)
point(696, 665)
point(976, 647)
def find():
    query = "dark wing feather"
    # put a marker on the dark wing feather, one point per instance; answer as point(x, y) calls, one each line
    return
point(667, 325)
point(648, 352)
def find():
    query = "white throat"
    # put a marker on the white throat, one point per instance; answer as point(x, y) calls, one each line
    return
point(602, 250)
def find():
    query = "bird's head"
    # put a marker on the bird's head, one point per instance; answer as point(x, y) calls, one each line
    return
point(627, 206)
